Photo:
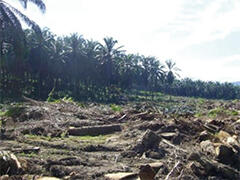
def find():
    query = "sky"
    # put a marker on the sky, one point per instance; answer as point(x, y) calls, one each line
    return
point(201, 36)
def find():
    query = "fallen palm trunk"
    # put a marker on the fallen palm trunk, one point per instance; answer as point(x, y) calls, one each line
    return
point(94, 130)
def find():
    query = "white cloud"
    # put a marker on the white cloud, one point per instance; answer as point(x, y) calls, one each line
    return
point(213, 22)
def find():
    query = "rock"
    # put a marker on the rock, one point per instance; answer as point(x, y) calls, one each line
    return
point(94, 130)
point(146, 172)
point(207, 146)
point(9, 164)
point(225, 154)
point(122, 176)
point(149, 141)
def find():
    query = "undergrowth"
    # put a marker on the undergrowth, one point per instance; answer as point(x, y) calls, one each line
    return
point(213, 113)
point(115, 108)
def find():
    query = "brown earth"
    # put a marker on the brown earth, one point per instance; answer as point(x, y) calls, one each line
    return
point(182, 138)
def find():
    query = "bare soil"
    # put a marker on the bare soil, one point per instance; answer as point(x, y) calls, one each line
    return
point(68, 140)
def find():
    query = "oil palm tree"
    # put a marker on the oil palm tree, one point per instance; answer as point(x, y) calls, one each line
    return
point(11, 16)
point(10, 22)
point(108, 54)
point(172, 71)
point(12, 35)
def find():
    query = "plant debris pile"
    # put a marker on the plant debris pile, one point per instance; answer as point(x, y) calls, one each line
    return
point(181, 138)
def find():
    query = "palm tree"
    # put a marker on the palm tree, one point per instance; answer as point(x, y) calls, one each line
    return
point(9, 14)
point(108, 54)
point(10, 25)
point(172, 71)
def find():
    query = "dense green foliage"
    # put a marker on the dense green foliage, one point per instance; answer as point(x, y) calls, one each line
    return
point(54, 67)
point(210, 90)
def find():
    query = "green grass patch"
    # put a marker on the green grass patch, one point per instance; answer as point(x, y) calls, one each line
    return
point(220, 111)
point(30, 155)
point(201, 101)
point(232, 112)
point(115, 108)
point(64, 99)
point(214, 112)
point(236, 101)
point(38, 138)
point(84, 139)
point(198, 115)
point(2, 113)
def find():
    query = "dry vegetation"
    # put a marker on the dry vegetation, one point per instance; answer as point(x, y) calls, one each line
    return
point(175, 138)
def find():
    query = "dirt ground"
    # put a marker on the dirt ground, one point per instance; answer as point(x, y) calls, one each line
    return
point(179, 138)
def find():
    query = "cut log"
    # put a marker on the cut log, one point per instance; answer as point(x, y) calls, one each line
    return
point(27, 150)
point(48, 178)
point(94, 130)
point(122, 176)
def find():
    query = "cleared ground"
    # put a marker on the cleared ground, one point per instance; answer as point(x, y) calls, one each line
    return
point(185, 138)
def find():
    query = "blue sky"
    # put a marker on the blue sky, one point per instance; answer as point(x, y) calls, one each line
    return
point(201, 36)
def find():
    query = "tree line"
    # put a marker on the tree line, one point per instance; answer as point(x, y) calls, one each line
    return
point(45, 64)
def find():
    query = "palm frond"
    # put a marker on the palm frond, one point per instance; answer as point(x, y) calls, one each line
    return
point(8, 16)
point(26, 20)
point(39, 3)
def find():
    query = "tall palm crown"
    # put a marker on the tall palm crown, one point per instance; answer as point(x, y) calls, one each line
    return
point(108, 51)
point(10, 23)
point(10, 16)
point(172, 71)
point(108, 55)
